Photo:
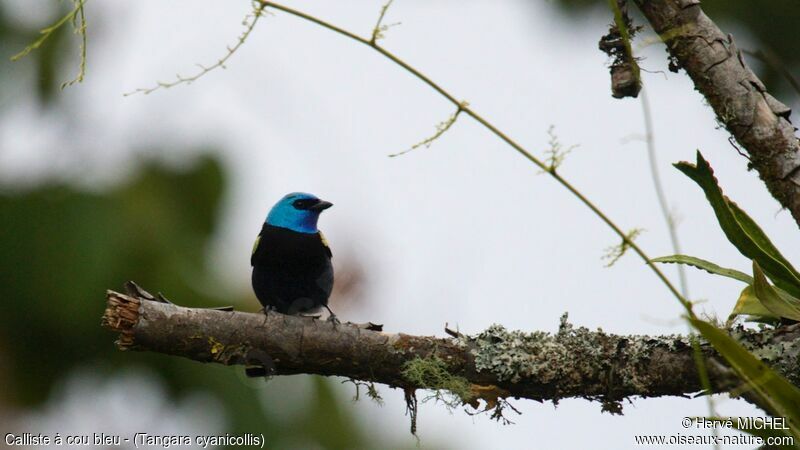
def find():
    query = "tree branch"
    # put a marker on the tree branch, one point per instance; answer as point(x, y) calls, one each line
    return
point(758, 121)
point(493, 365)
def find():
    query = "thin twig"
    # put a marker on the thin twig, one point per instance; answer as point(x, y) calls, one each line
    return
point(79, 24)
point(378, 30)
point(441, 128)
point(699, 360)
point(556, 152)
point(614, 253)
point(48, 31)
point(78, 18)
point(248, 28)
point(659, 188)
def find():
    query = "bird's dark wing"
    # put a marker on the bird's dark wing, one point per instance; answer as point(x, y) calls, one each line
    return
point(325, 244)
point(255, 247)
point(325, 282)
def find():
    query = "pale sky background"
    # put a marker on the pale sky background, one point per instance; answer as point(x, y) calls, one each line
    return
point(463, 232)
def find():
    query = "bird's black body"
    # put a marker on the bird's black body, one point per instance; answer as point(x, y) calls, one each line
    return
point(292, 271)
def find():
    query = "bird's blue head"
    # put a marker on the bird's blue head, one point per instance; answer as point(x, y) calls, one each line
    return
point(297, 211)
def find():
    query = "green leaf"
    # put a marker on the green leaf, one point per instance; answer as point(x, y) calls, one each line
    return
point(781, 397)
point(741, 230)
point(708, 266)
point(757, 234)
point(783, 306)
point(748, 304)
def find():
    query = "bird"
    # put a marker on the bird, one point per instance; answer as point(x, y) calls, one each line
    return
point(291, 259)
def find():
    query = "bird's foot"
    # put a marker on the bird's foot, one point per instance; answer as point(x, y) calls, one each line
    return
point(267, 309)
point(333, 319)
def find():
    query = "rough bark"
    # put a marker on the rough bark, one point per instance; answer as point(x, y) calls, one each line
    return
point(493, 365)
point(758, 122)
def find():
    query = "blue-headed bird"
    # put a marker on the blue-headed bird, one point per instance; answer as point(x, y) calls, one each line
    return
point(292, 271)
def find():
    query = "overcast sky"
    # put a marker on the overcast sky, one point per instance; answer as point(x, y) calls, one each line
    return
point(464, 232)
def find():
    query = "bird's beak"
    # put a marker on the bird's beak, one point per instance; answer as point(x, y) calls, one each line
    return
point(321, 205)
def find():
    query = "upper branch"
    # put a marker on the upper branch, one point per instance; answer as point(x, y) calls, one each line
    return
point(574, 362)
point(758, 121)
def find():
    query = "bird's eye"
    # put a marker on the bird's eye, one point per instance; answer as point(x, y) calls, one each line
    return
point(302, 203)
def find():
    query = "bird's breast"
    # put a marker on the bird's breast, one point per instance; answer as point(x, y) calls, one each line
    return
point(290, 250)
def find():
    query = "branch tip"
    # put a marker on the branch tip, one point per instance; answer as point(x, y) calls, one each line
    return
point(121, 315)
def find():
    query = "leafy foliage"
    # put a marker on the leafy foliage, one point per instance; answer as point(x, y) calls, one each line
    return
point(758, 299)
point(708, 266)
point(741, 230)
point(761, 300)
point(781, 396)
point(749, 305)
point(781, 306)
